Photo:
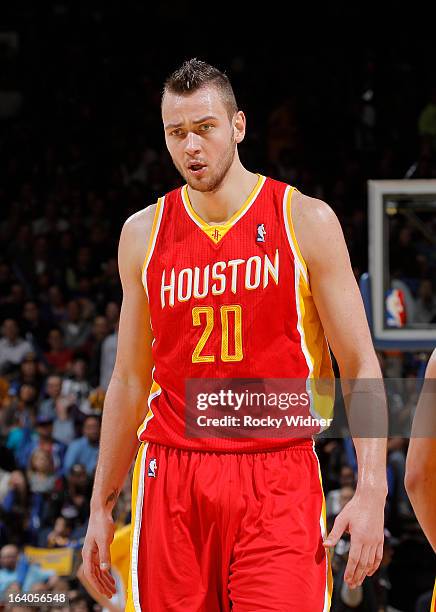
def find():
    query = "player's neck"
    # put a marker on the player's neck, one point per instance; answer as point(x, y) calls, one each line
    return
point(217, 207)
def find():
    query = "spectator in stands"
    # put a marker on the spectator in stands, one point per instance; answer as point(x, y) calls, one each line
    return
point(73, 500)
point(75, 328)
point(77, 386)
point(22, 406)
point(63, 425)
point(425, 306)
point(17, 570)
point(13, 348)
point(42, 438)
point(58, 357)
point(334, 498)
point(56, 309)
point(60, 535)
point(15, 507)
point(112, 314)
point(93, 346)
point(41, 472)
point(35, 329)
point(108, 354)
point(84, 450)
point(53, 391)
point(29, 374)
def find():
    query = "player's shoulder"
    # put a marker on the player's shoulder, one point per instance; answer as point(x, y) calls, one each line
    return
point(312, 210)
point(135, 236)
point(141, 221)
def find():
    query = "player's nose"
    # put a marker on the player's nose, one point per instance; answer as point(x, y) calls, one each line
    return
point(192, 143)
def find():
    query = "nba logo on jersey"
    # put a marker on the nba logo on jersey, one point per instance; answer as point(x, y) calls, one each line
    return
point(152, 466)
point(261, 232)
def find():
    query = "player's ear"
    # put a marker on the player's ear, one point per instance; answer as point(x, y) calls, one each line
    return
point(239, 124)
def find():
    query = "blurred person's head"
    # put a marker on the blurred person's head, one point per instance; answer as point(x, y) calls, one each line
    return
point(112, 313)
point(100, 328)
point(73, 311)
point(78, 476)
point(55, 296)
point(27, 394)
point(40, 247)
point(405, 236)
point(345, 496)
point(54, 386)
point(10, 329)
point(29, 367)
point(9, 556)
point(17, 293)
point(41, 462)
point(346, 477)
point(91, 429)
point(62, 527)
point(83, 258)
point(55, 339)
point(31, 311)
point(17, 481)
point(202, 124)
point(79, 369)
point(44, 426)
point(425, 290)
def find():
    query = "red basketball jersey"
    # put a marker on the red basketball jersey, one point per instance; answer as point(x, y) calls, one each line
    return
point(227, 301)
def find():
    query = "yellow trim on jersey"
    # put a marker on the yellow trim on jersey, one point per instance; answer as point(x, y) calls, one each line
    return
point(316, 351)
point(292, 231)
point(152, 240)
point(323, 525)
point(138, 472)
point(433, 599)
point(155, 390)
point(217, 232)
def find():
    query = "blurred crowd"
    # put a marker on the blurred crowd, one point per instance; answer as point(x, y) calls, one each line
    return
point(81, 148)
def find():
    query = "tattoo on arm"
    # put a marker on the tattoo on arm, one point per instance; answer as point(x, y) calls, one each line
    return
point(112, 497)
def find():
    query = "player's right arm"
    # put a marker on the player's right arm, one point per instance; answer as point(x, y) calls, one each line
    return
point(125, 405)
point(421, 457)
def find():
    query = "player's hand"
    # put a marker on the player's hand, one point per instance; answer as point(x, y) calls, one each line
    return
point(363, 519)
point(96, 552)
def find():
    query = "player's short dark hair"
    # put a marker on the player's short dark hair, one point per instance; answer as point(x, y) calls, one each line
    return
point(195, 74)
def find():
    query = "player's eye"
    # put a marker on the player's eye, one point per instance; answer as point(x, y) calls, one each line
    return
point(206, 127)
point(177, 132)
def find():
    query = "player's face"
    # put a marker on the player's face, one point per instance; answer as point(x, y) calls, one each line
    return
point(200, 136)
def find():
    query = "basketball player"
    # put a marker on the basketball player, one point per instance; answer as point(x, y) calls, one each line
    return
point(235, 275)
point(420, 478)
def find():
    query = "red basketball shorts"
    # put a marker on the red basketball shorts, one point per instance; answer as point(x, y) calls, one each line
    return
point(228, 531)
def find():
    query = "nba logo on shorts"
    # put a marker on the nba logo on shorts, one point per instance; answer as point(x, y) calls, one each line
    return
point(152, 466)
point(261, 232)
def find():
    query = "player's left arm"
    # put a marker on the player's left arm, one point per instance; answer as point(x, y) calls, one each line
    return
point(340, 307)
point(420, 478)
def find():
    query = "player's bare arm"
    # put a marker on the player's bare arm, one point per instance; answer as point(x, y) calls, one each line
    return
point(342, 314)
point(421, 457)
point(125, 405)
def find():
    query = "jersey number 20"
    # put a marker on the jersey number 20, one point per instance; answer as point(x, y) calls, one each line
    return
point(209, 312)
